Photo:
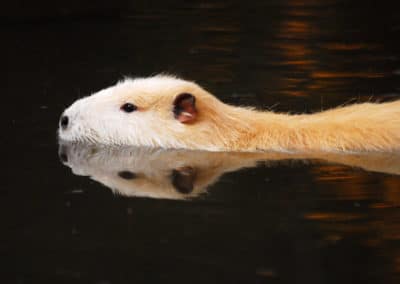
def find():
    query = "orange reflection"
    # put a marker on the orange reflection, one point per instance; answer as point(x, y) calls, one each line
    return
point(295, 93)
point(333, 217)
point(371, 212)
point(380, 205)
point(376, 227)
point(392, 191)
point(297, 55)
point(295, 28)
point(347, 46)
point(299, 62)
point(304, 56)
point(345, 184)
point(316, 85)
point(331, 75)
point(294, 51)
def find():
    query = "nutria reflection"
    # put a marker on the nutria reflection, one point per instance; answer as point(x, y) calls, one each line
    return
point(183, 174)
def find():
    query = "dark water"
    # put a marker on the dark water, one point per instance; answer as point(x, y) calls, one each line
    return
point(327, 219)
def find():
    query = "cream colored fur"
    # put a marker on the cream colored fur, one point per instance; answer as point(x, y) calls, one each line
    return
point(221, 127)
point(153, 167)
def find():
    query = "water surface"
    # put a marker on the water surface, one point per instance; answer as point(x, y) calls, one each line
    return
point(295, 220)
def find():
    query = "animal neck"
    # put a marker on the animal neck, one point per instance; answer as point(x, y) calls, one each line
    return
point(267, 131)
point(363, 127)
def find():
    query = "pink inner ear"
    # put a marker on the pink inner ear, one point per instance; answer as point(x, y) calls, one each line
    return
point(185, 108)
point(185, 117)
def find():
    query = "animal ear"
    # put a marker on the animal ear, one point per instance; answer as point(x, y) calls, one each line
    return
point(185, 108)
point(183, 179)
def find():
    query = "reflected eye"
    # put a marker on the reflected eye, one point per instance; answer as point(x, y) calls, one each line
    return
point(127, 175)
point(128, 107)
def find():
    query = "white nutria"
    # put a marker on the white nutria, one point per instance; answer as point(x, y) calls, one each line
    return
point(185, 174)
point(168, 112)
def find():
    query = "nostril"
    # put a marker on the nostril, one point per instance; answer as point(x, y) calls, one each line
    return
point(62, 153)
point(64, 121)
point(63, 157)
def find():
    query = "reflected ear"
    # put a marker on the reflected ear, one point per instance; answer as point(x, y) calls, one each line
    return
point(183, 179)
point(185, 108)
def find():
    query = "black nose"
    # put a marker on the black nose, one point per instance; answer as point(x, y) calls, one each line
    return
point(64, 121)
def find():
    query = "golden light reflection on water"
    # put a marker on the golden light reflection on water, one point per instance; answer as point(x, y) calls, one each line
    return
point(221, 40)
point(296, 29)
point(348, 46)
point(341, 75)
point(295, 93)
point(392, 190)
point(377, 227)
point(304, 54)
point(333, 217)
point(306, 58)
point(303, 63)
point(293, 50)
point(363, 191)
point(357, 185)
point(296, 54)
point(299, 55)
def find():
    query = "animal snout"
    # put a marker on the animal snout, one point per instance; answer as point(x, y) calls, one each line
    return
point(64, 121)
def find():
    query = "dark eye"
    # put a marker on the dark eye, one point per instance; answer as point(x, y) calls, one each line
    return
point(128, 107)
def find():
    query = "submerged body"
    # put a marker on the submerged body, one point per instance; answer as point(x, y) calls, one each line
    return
point(168, 112)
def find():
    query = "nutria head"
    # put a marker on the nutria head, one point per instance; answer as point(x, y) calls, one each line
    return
point(158, 111)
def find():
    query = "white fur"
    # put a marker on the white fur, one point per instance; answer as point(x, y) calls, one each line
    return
point(219, 127)
point(99, 119)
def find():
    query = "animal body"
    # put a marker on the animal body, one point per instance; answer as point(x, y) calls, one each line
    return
point(168, 112)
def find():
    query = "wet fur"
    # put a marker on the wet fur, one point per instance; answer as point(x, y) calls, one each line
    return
point(221, 127)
